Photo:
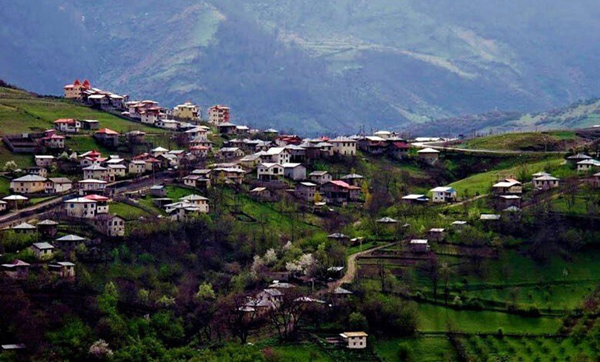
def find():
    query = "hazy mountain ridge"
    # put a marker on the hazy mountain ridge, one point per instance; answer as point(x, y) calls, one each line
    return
point(314, 66)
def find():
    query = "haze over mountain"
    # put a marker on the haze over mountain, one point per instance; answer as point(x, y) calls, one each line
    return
point(309, 65)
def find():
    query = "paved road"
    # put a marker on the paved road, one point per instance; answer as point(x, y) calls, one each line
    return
point(22, 215)
point(351, 266)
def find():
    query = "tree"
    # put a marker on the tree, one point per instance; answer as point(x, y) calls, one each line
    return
point(239, 317)
point(205, 292)
point(100, 350)
point(287, 314)
point(10, 166)
point(445, 272)
point(358, 322)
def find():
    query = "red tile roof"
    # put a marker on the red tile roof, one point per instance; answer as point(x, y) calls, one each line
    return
point(401, 145)
point(65, 120)
point(344, 185)
point(107, 131)
point(96, 198)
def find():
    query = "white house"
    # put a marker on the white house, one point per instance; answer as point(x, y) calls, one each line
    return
point(29, 184)
point(42, 250)
point(343, 146)
point(44, 160)
point(87, 207)
point(278, 155)
point(294, 171)
point(67, 125)
point(137, 167)
point(117, 171)
point(545, 182)
point(269, 171)
point(320, 177)
point(97, 172)
point(170, 124)
point(355, 340)
point(419, 245)
point(91, 186)
point(587, 165)
point(306, 191)
point(429, 155)
point(198, 201)
point(58, 185)
point(443, 194)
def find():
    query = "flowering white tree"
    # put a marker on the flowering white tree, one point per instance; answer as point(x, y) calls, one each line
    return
point(100, 349)
point(270, 257)
point(258, 268)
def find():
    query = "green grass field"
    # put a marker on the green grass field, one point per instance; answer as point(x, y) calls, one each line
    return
point(4, 186)
point(427, 348)
point(435, 318)
point(481, 183)
point(529, 349)
point(22, 112)
point(528, 141)
point(299, 353)
point(126, 211)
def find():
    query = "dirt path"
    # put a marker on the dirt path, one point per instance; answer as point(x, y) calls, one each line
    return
point(351, 265)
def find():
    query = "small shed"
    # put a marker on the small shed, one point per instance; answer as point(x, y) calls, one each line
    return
point(355, 340)
point(43, 250)
point(436, 234)
point(47, 228)
point(158, 191)
point(419, 245)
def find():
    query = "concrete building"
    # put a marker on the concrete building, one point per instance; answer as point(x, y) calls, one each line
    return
point(545, 182)
point(91, 186)
point(18, 269)
point(63, 269)
point(75, 90)
point(269, 171)
point(355, 340)
point(429, 155)
point(218, 114)
point(508, 186)
point(107, 137)
point(187, 111)
point(43, 251)
point(320, 177)
point(67, 125)
point(29, 184)
point(58, 185)
point(306, 191)
point(443, 194)
point(343, 146)
point(294, 171)
point(97, 173)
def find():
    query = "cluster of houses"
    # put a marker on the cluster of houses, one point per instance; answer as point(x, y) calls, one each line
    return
point(45, 250)
point(83, 91)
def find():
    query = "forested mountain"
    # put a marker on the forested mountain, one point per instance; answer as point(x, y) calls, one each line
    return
point(310, 65)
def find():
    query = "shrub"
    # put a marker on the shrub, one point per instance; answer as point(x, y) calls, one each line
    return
point(405, 352)
point(500, 332)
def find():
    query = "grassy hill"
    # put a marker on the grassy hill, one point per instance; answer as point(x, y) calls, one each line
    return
point(23, 112)
point(528, 141)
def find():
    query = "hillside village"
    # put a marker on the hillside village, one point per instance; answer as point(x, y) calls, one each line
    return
point(59, 213)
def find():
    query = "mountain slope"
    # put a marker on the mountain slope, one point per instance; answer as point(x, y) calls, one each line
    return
point(310, 65)
point(577, 115)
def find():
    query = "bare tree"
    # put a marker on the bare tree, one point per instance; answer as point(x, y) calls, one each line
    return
point(287, 313)
point(240, 318)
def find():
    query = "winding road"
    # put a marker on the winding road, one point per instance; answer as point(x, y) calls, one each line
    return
point(351, 265)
